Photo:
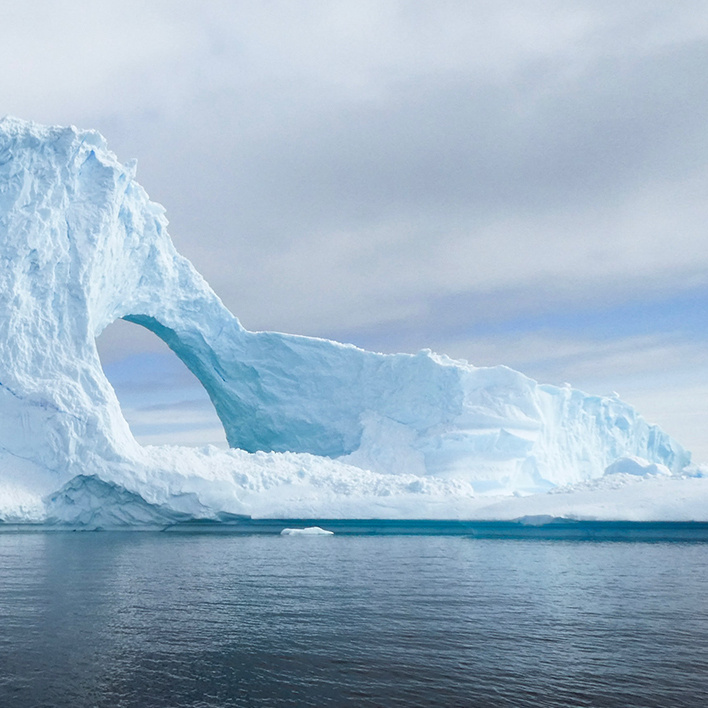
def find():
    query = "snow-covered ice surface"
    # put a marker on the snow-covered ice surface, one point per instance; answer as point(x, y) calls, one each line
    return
point(317, 429)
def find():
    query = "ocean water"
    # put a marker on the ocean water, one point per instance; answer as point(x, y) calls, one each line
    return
point(154, 619)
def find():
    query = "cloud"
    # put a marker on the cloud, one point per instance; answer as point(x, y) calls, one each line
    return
point(162, 401)
point(121, 341)
point(355, 162)
point(184, 423)
point(59, 56)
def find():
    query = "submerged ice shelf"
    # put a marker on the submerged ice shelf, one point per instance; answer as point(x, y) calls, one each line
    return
point(316, 428)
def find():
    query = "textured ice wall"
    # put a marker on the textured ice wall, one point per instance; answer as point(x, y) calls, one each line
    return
point(82, 245)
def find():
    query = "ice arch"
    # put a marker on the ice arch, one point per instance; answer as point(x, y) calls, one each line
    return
point(162, 401)
point(82, 245)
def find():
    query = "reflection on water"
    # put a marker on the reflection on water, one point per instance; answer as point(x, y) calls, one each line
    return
point(150, 619)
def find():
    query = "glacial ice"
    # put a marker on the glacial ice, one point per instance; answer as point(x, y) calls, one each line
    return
point(317, 429)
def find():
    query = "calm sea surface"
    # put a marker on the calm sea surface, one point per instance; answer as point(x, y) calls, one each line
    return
point(155, 619)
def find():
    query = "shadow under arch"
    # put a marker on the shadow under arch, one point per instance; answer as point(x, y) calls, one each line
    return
point(161, 402)
point(272, 392)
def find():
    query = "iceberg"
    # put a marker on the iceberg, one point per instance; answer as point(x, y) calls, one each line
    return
point(316, 429)
point(307, 531)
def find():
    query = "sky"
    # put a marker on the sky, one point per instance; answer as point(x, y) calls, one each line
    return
point(508, 182)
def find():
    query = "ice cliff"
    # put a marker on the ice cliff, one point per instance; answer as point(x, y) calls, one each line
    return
point(316, 428)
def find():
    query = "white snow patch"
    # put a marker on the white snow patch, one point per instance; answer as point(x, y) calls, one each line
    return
point(637, 466)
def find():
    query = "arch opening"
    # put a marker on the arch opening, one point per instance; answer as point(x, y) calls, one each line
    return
point(160, 398)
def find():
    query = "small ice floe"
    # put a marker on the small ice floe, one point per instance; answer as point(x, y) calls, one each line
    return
point(309, 531)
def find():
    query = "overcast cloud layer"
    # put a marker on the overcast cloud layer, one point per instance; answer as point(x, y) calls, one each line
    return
point(507, 182)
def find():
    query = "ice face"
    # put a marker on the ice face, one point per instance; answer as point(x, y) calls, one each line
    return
point(82, 245)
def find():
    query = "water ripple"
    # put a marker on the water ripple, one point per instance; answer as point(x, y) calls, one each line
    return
point(125, 620)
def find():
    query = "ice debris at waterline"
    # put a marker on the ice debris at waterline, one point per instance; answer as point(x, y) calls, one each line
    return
point(317, 429)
